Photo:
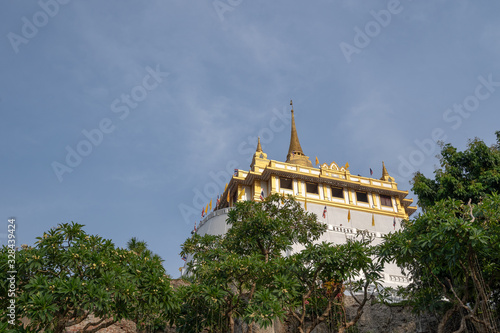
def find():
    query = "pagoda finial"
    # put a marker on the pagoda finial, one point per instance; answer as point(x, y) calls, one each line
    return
point(295, 153)
point(259, 161)
point(385, 174)
point(259, 147)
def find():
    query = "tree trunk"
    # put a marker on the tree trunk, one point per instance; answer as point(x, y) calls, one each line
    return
point(59, 327)
point(299, 320)
point(103, 323)
point(231, 322)
point(445, 319)
point(60, 323)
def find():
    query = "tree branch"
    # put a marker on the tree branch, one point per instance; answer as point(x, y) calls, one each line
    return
point(359, 312)
point(321, 318)
point(456, 296)
point(445, 318)
point(77, 320)
point(100, 325)
point(462, 326)
point(470, 213)
point(470, 312)
point(296, 316)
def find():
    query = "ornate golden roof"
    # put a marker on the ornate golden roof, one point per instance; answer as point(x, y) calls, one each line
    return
point(264, 176)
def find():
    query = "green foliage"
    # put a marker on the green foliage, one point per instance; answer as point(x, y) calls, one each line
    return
point(446, 251)
point(470, 174)
point(244, 275)
point(70, 274)
point(242, 264)
point(452, 250)
point(137, 246)
point(270, 227)
point(321, 273)
point(202, 307)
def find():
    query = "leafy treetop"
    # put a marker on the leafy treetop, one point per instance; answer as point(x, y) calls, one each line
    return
point(470, 174)
point(69, 275)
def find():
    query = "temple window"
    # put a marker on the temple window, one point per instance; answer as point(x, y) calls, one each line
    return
point(312, 188)
point(286, 183)
point(385, 200)
point(361, 196)
point(337, 192)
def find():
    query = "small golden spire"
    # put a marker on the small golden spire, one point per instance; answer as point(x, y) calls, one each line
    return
point(259, 160)
point(259, 147)
point(384, 170)
point(385, 174)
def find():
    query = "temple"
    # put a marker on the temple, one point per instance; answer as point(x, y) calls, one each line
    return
point(345, 203)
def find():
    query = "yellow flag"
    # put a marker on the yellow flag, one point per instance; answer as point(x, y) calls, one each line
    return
point(210, 204)
point(317, 162)
point(373, 220)
point(241, 194)
point(206, 210)
point(228, 197)
point(349, 216)
point(305, 204)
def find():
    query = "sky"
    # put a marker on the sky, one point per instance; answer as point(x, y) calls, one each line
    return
point(129, 116)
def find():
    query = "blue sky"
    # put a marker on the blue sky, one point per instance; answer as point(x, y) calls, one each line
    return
point(160, 98)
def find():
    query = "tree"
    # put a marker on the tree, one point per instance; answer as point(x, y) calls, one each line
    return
point(452, 251)
point(470, 174)
point(318, 277)
point(241, 263)
point(271, 227)
point(212, 271)
point(203, 307)
point(245, 276)
point(137, 246)
point(69, 275)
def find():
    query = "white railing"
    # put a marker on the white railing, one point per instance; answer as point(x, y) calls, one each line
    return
point(213, 214)
point(351, 232)
point(398, 278)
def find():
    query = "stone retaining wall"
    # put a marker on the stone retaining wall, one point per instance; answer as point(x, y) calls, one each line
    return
point(376, 318)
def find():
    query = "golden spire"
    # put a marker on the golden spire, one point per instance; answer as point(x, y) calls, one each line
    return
point(385, 174)
point(294, 139)
point(295, 153)
point(259, 160)
point(259, 147)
